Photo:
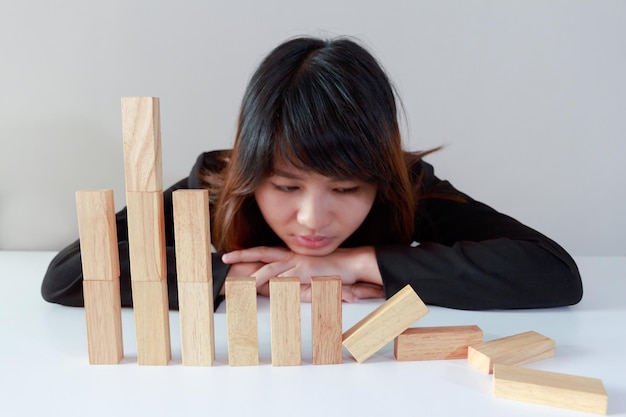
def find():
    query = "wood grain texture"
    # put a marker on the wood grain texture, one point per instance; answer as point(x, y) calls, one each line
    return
point(197, 330)
point(550, 388)
point(285, 324)
point(241, 321)
point(104, 321)
point(152, 325)
point(383, 324)
point(326, 320)
point(436, 343)
point(513, 350)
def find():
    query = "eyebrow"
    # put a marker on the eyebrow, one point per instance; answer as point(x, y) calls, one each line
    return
point(289, 175)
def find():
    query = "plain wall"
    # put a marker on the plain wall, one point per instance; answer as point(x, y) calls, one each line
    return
point(529, 98)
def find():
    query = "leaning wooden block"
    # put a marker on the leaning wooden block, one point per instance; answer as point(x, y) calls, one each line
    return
point(241, 321)
point(104, 321)
point(197, 335)
point(513, 350)
point(436, 343)
point(326, 320)
point(383, 324)
point(152, 325)
point(550, 388)
point(285, 326)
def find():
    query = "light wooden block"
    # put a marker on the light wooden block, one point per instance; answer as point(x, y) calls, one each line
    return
point(146, 236)
point(98, 235)
point(197, 334)
point(550, 388)
point(152, 325)
point(436, 343)
point(104, 321)
point(241, 321)
point(192, 230)
point(141, 131)
point(326, 320)
point(285, 325)
point(383, 324)
point(513, 350)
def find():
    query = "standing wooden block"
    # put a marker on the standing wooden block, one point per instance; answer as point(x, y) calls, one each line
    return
point(383, 324)
point(241, 321)
point(141, 130)
point(101, 273)
point(152, 325)
point(436, 343)
point(326, 320)
point(194, 275)
point(285, 326)
point(513, 350)
point(550, 388)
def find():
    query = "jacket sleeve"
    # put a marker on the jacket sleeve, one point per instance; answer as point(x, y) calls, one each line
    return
point(469, 256)
point(63, 281)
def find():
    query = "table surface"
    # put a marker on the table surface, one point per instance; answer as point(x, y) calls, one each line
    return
point(44, 367)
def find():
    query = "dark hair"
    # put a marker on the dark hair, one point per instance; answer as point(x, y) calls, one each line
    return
point(323, 106)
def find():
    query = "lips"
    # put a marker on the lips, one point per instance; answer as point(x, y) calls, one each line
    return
point(313, 242)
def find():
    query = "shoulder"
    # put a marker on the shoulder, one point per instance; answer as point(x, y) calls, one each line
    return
point(207, 163)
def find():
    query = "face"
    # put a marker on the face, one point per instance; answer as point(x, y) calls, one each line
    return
point(311, 213)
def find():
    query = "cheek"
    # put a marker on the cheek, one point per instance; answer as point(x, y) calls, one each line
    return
point(273, 209)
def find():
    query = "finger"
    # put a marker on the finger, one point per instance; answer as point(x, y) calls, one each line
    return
point(348, 295)
point(263, 254)
point(364, 291)
point(270, 270)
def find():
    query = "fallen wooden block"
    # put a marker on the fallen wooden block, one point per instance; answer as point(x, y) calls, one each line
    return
point(550, 388)
point(436, 343)
point(383, 324)
point(513, 350)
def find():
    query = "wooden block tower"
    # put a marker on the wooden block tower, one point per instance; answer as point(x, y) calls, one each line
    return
point(285, 324)
point(241, 321)
point(146, 228)
point(326, 320)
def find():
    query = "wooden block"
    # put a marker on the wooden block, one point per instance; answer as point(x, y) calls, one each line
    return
point(326, 320)
point(146, 236)
point(513, 350)
point(141, 130)
point(152, 326)
point(436, 343)
point(285, 326)
point(192, 229)
point(550, 388)
point(383, 324)
point(98, 235)
point(197, 334)
point(104, 321)
point(241, 321)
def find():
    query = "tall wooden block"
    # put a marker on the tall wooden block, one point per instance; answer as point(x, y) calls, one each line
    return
point(104, 321)
point(326, 320)
point(152, 325)
point(241, 321)
point(141, 131)
point(383, 324)
point(513, 350)
point(285, 326)
point(550, 388)
point(436, 343)
point(194, 275)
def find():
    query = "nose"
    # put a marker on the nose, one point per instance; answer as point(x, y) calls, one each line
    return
point(313, 212)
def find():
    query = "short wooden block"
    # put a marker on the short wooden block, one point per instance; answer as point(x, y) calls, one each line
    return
point(383, 324)
point(285, 326)
point(152, 325)
point(513, 350)
point(104, 321)
point(141, 131)
point(550, 388)
point(192, 229)
point(436, 343)
point(326, 320)
point(197, 334)
point(98, 235)
point(146, 236)
point(241, 321)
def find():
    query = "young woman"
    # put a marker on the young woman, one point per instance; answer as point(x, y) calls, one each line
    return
point(317, 183)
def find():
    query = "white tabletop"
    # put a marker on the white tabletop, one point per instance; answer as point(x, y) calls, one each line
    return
point(44, 367)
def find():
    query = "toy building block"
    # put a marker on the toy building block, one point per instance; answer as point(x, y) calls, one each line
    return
point(513, 350)
point(101, 273)
point(194, 275)
point(326, 320)
point(285, 326)
point(383, 324)
point(550, 388)
point(241, 321)
point(436, 343)
point(146, 228)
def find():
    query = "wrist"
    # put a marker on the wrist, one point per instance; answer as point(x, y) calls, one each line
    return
point(365, 266)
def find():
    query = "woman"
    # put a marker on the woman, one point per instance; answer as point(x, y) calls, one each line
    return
point(317, 183)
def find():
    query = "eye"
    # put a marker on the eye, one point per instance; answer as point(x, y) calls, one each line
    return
point(347, 190)
point(285, 188)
